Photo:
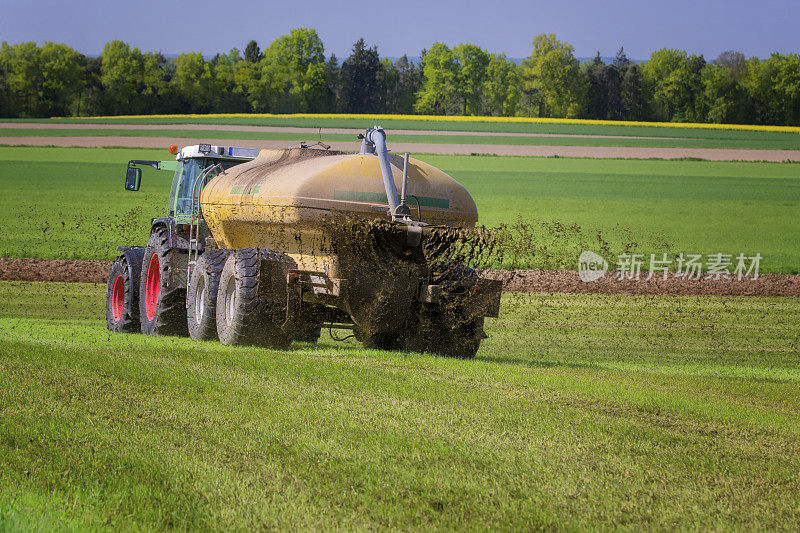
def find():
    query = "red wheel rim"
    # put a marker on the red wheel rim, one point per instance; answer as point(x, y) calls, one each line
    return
point(152, 286)
point(118, 298)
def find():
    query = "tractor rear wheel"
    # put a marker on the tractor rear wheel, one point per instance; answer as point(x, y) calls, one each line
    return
point(243, 317)
point(122, 299)
point(162, 307)
point(201, 297)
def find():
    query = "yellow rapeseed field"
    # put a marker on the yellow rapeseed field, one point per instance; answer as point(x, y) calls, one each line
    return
point(444, 118)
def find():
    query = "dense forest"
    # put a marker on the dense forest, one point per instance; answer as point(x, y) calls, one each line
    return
point(293, 75)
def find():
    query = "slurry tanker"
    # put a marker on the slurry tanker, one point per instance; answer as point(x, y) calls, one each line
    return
point(266, 247)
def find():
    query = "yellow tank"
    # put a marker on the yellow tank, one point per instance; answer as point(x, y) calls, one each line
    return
point(285, 200)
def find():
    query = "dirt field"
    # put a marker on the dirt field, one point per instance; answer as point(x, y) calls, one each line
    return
point(568, 281)
point(553, 281)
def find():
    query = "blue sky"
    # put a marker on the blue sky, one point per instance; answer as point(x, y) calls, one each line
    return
point(699, 26)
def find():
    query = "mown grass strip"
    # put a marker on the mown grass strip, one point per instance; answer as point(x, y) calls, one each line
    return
point(791, 142)
point(554, 427)
point(69, 203)
point(476, 124)
point(468, 119)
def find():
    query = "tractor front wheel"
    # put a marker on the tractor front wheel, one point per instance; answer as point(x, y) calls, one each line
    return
point(122, 299)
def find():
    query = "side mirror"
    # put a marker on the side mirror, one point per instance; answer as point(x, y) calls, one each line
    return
point(133, 178)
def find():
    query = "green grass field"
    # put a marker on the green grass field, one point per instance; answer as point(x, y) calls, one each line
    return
point(580, 412)
point(762, 141)
point(69, 203)
point(411, 124)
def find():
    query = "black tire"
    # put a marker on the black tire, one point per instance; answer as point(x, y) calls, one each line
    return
point(201, 296)
point(242, 316)
point(162, 308)
point(122, 299)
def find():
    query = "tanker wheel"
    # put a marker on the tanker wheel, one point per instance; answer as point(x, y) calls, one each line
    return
point(242, 316)
point(122, 299)
point(201, 297)
point(435, 335)
point(162, 309)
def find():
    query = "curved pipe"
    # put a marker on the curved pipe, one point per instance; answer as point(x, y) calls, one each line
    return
point(377, 137)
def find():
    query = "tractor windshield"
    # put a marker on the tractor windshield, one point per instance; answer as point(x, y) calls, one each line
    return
point(180, 201)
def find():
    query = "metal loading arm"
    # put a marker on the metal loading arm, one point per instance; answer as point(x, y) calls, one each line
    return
point(374, 141)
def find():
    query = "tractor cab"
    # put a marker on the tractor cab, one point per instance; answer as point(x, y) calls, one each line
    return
point(194, 166)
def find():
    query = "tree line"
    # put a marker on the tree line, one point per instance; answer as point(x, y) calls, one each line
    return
point(293, 75)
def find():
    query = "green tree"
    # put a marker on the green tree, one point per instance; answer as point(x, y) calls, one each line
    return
point(409, 82)
point(228, 97)
point(725, 96)
point(292, 73)
point(615, 76)
point(781, 78)
point(391, 84)
point(363, 80)
point(44, 81)
point(5, 100)
point(62, 78)
point(247, 82)
point(472, 61)
point(122, 76)
point(439, 95)
point(21, 66)
point(603, 80)
point(193, 82)
point(333, 79)
point(454, 81)
point(616, 90)
point(252, 52)
point(501, 87)
point(676, 78)
point(552, 79)
point(734, 62)
point(634, 94)
point(158, 95)
point(90, 99)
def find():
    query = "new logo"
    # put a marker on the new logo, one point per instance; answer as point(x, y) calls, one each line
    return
point(591, 266)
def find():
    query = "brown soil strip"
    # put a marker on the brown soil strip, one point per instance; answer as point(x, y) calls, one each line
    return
point(568, 281)
point(67, 270)
point(601, 152)
point(312, 132)
point(553, 281)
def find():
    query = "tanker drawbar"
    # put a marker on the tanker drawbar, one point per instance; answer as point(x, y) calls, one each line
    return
point(276, 245)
